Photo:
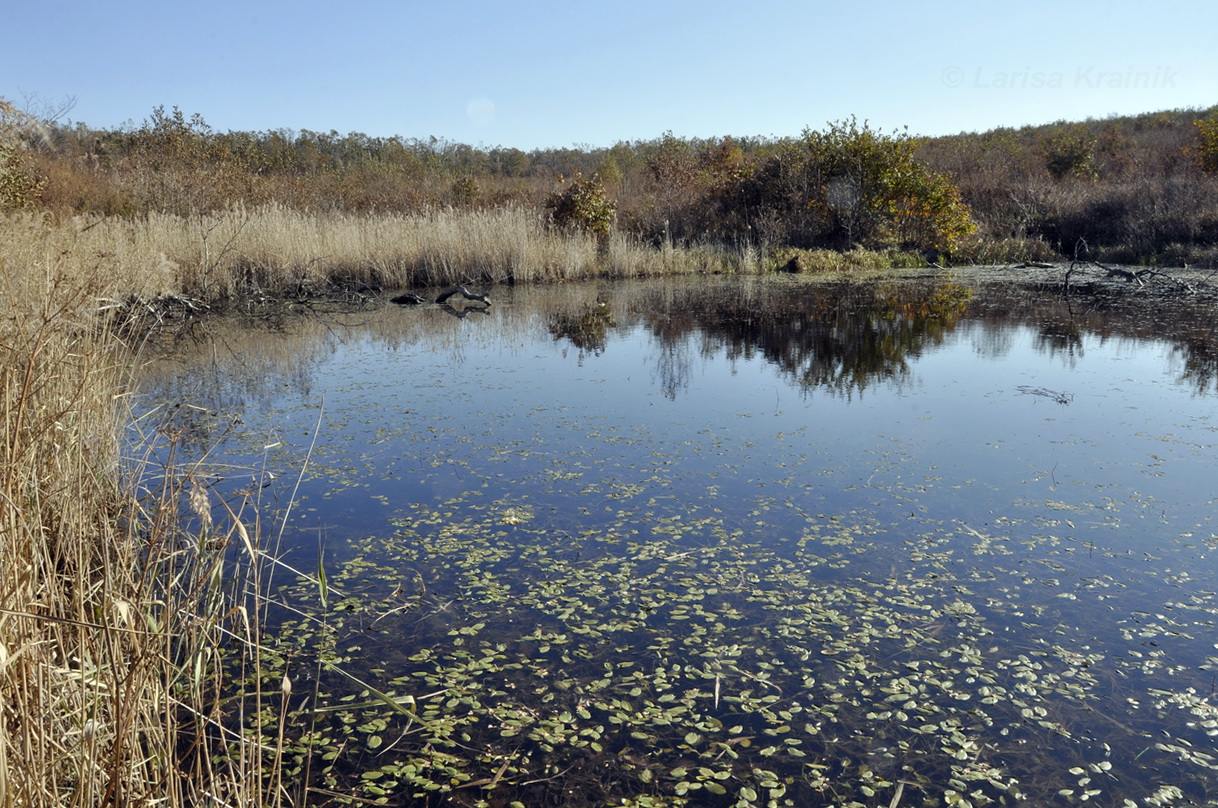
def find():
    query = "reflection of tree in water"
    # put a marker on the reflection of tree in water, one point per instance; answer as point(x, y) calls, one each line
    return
point(674, 366)
point(193, 391)
point(993, 342)
point(1063, 339)
point(1189, 325)
point(587, 329)
point(1200, 364)
point(840, 337)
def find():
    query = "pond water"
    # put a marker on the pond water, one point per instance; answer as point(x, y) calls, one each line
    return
point(730, 542)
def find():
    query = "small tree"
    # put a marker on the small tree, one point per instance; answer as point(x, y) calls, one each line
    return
point(19, 184)
point(582, 205)
point(1071, 153)
point(464, 192)
point(931, 215)
point(870, 188)
point(1206, 147)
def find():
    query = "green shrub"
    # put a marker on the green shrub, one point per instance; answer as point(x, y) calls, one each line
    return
point(1071, 153)
point(1206, 147)
point(19, 187)
point(464, 192)
point(582, 205)
point(931, 215)
point(851, 185)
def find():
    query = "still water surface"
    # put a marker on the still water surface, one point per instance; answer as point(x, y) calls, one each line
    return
point(736, 542)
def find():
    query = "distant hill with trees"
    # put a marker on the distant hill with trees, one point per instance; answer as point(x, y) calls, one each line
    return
point(1135, 189)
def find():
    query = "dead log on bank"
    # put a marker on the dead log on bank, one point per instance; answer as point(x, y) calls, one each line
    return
point(410, 299)
point(1138, 276)
point(465, 293)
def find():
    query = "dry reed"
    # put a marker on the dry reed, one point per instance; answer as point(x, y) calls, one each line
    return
point(66, 628)
point(279, 251)
point(111, 613)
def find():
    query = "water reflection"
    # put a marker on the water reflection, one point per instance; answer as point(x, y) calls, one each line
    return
point(1200, 364)
point(587, 329)
point(1190, 325)
point(839, 337)
point(1064, 339)
point(740, 541)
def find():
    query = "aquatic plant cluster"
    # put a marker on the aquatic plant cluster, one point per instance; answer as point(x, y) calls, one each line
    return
point(489, 657)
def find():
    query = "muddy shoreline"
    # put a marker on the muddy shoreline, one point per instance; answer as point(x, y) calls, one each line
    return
point(1095, 280)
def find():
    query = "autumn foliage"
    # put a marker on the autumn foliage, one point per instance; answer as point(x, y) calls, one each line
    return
point(1141, 188)
point(582, 204)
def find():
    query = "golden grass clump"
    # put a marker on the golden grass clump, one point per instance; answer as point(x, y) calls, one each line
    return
point(69, 639)
point(110, 612)
point(278, 251)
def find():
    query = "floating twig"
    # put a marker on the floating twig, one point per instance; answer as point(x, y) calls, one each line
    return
point(1060, 398)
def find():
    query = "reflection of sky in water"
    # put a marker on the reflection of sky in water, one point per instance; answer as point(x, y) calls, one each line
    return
point(954, 439)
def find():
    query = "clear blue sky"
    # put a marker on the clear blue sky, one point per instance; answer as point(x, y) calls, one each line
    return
point(534, 74)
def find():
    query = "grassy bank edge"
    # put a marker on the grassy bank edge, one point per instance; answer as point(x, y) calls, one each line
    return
point(215, 259)
point(117, 589)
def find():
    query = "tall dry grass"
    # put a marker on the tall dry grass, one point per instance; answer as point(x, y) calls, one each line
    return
point(112, 612)
point(68, 638)
point(217, 257)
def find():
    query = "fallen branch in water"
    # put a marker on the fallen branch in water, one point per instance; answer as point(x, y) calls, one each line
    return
point(1154, 273)
point(1144, 278)
point(1060, 398)
point(465, 293)
point(411, 299)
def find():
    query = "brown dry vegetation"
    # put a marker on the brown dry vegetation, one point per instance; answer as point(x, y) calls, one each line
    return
point(1137, 189)
point(111, 613)
point(219, 257)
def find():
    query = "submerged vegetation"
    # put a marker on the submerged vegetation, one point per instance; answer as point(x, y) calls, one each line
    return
point(699, 666)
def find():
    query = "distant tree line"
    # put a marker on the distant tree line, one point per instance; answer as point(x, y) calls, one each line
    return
point(1139, 188)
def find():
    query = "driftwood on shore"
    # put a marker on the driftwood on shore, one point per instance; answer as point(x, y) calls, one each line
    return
point(1141, 277)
